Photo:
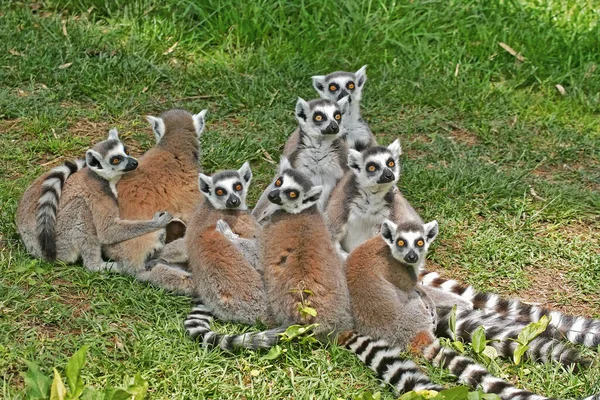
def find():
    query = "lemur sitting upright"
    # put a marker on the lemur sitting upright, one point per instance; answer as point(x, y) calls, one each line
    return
point(315, 149)
point(338, 85)
point(72, 212)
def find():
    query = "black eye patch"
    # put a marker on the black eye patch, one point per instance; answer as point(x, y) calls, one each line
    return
point(238, 186)
point(333, 87)
point(372, 167)
point(292, 194)
point(350, 85)
point(220, 191)
point(115, 160)
point(319, 117)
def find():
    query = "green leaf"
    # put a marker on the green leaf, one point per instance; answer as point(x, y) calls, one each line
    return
point(91, 394)
point(139, 387)
point(533, 330)
point(37, 385)
point(117, 394)
point(309, 310)
point(455, 393)
point(490, 352)
point(478, 340)
point(452, 322)
point(519, 352)
point(294, 331)
point(58, 390)
point(73, 372)
point(274, 353)
point(459, 346)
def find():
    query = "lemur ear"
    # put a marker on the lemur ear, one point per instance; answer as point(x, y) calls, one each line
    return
point(199, 122)
point(284, 164)
point(313, 195)
point(395, 148)
point(319, 84)
point(93, 160)
point(158, 127)
point(302, 110)
point(245, 172)
point(388, 231)
point(361, 76)
point(205, 183)
point(344, 104)
point(431, 230)
point(113, 134)
point(355, 160)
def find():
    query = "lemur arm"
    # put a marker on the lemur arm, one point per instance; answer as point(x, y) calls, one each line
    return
point(111, 229)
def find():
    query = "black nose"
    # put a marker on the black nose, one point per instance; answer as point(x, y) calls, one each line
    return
point(411, 257)
point(274, 197)
point(332, 129)
point(342, 94)
point(232, 202)
point(386, 176)
point(131, 164)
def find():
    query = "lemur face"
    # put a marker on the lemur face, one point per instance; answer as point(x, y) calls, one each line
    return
point(338, 85)
point(292, 191)
point(321, 118)
point(110, 159)
point(376, 166)
point(227, 189)
point(409, 241)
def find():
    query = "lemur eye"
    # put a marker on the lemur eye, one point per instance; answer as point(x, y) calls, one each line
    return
point(293, 194)
point(238, 187)
point(371, 168)
point(126, 150)
point(338, 116)
point(220, 192)
point(351, 85)
point(278, 182)
point(318, 118)
point(391, 164)
point(115, 160)
point(401, 243)
point(420, 243)
point(333, 88)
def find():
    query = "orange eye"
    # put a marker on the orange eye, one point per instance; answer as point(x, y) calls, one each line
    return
point(126, 150)
point(371, 168)
point(238, 187)
point(420, 243)
point(318, 118)
point(351, 86)
point(338, 117)
point(219, 192)
point(391, 164)
point(401, 243)
point(115, 161)
point(278, 182)
point(293, 195)
point(333, 88)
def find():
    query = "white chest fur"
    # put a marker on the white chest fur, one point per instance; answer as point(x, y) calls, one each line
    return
point(367, 212)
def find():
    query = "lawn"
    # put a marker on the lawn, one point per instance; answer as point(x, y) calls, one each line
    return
point(508, 165)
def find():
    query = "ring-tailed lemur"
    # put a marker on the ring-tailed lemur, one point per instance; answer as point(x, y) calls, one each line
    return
point(579, 330)
point(300, 268)
point(166, 179)
point(315, 149)
point(388, 304)
point(338, 85)
point(68, 219)
point(366, 196)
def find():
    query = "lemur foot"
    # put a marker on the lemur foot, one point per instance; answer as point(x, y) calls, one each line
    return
point(225, 229)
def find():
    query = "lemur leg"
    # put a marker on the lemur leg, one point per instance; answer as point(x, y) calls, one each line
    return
point(91, 255)
point(170, 277)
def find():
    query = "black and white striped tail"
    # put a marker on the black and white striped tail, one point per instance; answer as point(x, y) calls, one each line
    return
point(403, 374)
point(197, 325)
point(578, 330)
point(48, 205)
point(544, 348)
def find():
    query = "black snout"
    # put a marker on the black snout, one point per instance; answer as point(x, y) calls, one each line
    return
point(274, 197)
point(232, 201)
point(411, 257)
point(131, 164)
point(342, 94)
point(332, 129)
point(387, 176)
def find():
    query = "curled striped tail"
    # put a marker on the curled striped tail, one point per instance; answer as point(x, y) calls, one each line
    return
point(580, 330)
point(543, 348)
point(470, 373)
point(403, 374)
point(197, 325)
point(47, 206)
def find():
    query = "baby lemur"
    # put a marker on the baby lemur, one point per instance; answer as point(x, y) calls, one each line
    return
point(366, 196)
point(315, 149)
point(338, 85)
point(300, 268)
point(166, 179)
point(71, 213)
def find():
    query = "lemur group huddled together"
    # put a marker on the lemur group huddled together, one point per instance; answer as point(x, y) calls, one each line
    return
point(332, 232)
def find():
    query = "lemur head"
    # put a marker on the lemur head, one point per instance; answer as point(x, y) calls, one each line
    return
point(177, 120)
point(339, 84)
point(409, 241)
point(292, 191)
point(322, 118)
point(376, 166)
point(110, 158)
point(227, 189)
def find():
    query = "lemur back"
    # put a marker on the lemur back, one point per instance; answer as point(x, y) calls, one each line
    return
point(166, 179)
point(338, 85)
point(87, 215)
point(315, 149)
point(366, 196)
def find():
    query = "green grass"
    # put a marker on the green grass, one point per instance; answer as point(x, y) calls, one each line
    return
point(508, 166)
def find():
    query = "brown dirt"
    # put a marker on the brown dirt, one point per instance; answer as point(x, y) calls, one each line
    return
point(463, 136)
